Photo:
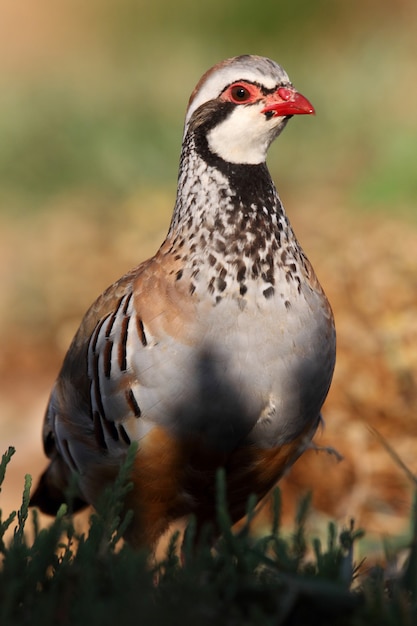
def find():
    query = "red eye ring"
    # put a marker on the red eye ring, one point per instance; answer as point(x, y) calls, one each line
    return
point(240, 94)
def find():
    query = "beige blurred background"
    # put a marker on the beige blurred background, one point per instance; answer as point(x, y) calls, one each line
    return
point(92, 99)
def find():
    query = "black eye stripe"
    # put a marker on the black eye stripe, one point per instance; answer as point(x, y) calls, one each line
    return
point(262, 88)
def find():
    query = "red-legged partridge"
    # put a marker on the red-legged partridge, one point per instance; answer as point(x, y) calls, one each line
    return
point(219, 350)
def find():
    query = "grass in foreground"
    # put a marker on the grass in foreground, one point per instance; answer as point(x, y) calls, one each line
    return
point(66, 578)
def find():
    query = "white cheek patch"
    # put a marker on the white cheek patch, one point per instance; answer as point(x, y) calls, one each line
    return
point(244, 136)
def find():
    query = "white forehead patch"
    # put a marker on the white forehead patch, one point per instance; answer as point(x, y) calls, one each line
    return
point(250, 68)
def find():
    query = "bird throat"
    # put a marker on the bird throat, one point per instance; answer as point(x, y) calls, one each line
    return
point(229, 227)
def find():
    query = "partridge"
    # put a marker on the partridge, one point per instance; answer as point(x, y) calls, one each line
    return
point(218, 351)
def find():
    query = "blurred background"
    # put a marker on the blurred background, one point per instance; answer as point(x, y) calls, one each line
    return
point(92, 100)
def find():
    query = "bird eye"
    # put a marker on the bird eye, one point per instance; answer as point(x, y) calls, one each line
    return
point(240, 94)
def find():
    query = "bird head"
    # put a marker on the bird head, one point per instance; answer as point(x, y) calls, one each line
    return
point(241, 105)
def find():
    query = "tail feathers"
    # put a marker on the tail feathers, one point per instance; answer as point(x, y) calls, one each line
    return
point(56, 487)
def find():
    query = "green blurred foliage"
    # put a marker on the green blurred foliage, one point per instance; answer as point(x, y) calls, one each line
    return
point(69, 578)
point(102, 108)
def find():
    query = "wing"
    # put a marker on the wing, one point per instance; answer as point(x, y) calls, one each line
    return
point(116, 383)
point(77, 432)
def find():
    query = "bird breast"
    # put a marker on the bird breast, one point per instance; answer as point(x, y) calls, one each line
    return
point(252, 368)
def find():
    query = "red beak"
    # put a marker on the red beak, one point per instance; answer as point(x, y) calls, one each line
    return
point(286, 101)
